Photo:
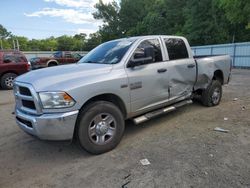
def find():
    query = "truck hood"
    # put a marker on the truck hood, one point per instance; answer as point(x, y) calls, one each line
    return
point(64, 77)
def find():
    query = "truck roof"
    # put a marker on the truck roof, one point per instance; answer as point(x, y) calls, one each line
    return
point(148, 36)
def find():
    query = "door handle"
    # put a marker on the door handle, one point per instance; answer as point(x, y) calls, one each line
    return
point(161, 70)
point(191, 66)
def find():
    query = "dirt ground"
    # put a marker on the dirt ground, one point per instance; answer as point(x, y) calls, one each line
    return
point(182, 147)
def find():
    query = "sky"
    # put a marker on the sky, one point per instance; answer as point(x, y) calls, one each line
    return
point(39, 19)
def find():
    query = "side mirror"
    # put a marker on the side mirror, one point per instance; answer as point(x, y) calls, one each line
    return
point(141, 61)
point(142, 57)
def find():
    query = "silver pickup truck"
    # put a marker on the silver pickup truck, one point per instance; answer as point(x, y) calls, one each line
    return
point(134, 78)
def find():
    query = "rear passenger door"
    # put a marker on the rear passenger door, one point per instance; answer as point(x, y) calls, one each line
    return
point(181, 68)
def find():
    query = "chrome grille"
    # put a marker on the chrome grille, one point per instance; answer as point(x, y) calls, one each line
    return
point(26, 98)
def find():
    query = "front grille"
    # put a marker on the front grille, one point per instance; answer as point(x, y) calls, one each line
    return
point(26, 98)
point(29, 104)
point(25, 122)
point(24, 91)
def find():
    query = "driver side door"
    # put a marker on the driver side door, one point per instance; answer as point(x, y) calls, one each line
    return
point(147, 83)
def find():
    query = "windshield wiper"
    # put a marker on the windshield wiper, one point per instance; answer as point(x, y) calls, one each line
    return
point(91, 62)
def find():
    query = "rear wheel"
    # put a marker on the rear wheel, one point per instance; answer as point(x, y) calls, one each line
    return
point(7, 80)
point(212, 95)
point(52, 64)
point(100, 127)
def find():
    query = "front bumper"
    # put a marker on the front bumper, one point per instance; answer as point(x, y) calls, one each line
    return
point(54, 126)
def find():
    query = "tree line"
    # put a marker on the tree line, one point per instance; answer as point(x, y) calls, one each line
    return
point(202, 22)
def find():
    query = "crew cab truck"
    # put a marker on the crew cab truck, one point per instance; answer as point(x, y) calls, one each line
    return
point(12, 64)
point(134, 78)
point(58, 58)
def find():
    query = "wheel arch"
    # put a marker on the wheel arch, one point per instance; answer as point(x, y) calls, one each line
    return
point(218, 75)
point(6, 72)
point(52, 61)
point(109, 97)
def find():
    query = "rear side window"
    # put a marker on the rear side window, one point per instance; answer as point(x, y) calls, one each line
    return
point(68, 55)
point(176, 48)
point(9, 58)
point(13, 58)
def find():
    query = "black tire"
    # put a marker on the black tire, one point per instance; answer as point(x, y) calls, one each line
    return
point(88, 124)
point(52, 64)
point(7, 80)
point(212, 95)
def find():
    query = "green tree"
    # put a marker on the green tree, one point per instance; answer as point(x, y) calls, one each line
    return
point(65, 43)
point(23, 42)
point(204, 23)
point(79, 41)
point(237, 13)
point(109, 14)
point(131, 14)
point(34, 45)
point(4, 34)
point(93, 41)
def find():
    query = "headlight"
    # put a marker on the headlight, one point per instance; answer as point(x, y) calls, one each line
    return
point(56, 100)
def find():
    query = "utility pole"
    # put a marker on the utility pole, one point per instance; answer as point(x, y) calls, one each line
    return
point(1, 43)
point(17, 43)
point(14, 45)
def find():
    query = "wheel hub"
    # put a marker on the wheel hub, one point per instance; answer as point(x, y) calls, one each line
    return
point(101, 128)
point(216, 96)
point(9, 81)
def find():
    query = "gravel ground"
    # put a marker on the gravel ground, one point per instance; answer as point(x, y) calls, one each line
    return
point(182, 148)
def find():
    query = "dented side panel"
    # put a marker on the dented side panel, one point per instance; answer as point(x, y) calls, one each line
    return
point(181, 78)
point(208, 65)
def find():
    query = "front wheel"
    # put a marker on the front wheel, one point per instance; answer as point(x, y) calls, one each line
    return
point(212, 95)
point(100, 127)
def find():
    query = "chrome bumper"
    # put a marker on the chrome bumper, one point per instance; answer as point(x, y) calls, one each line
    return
point(58, 126)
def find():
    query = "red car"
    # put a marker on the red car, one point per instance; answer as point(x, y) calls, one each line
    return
point(58, 58)
point(12, 64)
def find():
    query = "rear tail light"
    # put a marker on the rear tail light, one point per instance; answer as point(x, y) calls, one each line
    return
point(27, 66)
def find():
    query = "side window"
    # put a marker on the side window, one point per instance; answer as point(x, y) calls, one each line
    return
point(149, 51)
point(76, 56)
point(9, 58)
point(57, 54)
point(176, 48)
point(68, 55)
point(21, 58)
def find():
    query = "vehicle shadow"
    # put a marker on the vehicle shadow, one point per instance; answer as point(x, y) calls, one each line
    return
point(60, 150)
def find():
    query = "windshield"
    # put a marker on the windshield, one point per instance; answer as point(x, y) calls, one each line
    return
point(57, 54)
point(108, 53)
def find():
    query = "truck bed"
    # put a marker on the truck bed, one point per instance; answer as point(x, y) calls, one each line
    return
point(207, 65)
